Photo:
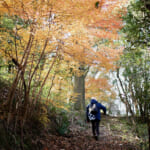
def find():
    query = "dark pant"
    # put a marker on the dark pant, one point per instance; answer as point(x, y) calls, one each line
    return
point(95, 127)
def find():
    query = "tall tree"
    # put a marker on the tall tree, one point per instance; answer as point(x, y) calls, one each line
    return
point(106, 51)
point(42, 32)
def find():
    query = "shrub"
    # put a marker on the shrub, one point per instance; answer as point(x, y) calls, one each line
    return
point(59, 121)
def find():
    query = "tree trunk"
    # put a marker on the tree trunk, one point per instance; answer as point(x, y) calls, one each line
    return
point(148, 124)
point(79, 89)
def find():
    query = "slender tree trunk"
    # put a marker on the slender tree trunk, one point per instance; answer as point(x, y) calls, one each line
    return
point(50, 68)
point(148, 125)
point(11, 96)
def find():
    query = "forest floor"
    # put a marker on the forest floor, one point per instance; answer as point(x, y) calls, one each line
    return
point(80, 138)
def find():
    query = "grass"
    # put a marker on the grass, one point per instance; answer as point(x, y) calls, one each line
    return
point(120, 126)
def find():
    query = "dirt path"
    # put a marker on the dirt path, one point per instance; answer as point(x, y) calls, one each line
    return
point(82, 140)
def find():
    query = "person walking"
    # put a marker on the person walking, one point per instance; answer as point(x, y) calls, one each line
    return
point(93, 114)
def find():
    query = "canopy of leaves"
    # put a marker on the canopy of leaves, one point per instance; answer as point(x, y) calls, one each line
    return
point(136, 25)
point(35, 32)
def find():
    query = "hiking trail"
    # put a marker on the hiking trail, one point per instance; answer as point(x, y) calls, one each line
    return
point(81, 139)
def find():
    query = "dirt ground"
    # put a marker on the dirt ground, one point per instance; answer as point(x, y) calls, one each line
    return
point(80, 139)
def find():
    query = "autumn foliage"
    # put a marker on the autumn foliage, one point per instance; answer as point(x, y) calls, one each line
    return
point(46, 41)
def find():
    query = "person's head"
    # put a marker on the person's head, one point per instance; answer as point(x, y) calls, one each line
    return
point(93, 98)
point(93, 101)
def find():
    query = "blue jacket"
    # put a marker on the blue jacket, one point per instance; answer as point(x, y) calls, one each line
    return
point(99, 106)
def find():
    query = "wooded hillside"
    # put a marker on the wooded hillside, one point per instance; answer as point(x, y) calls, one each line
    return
point(56, 55)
